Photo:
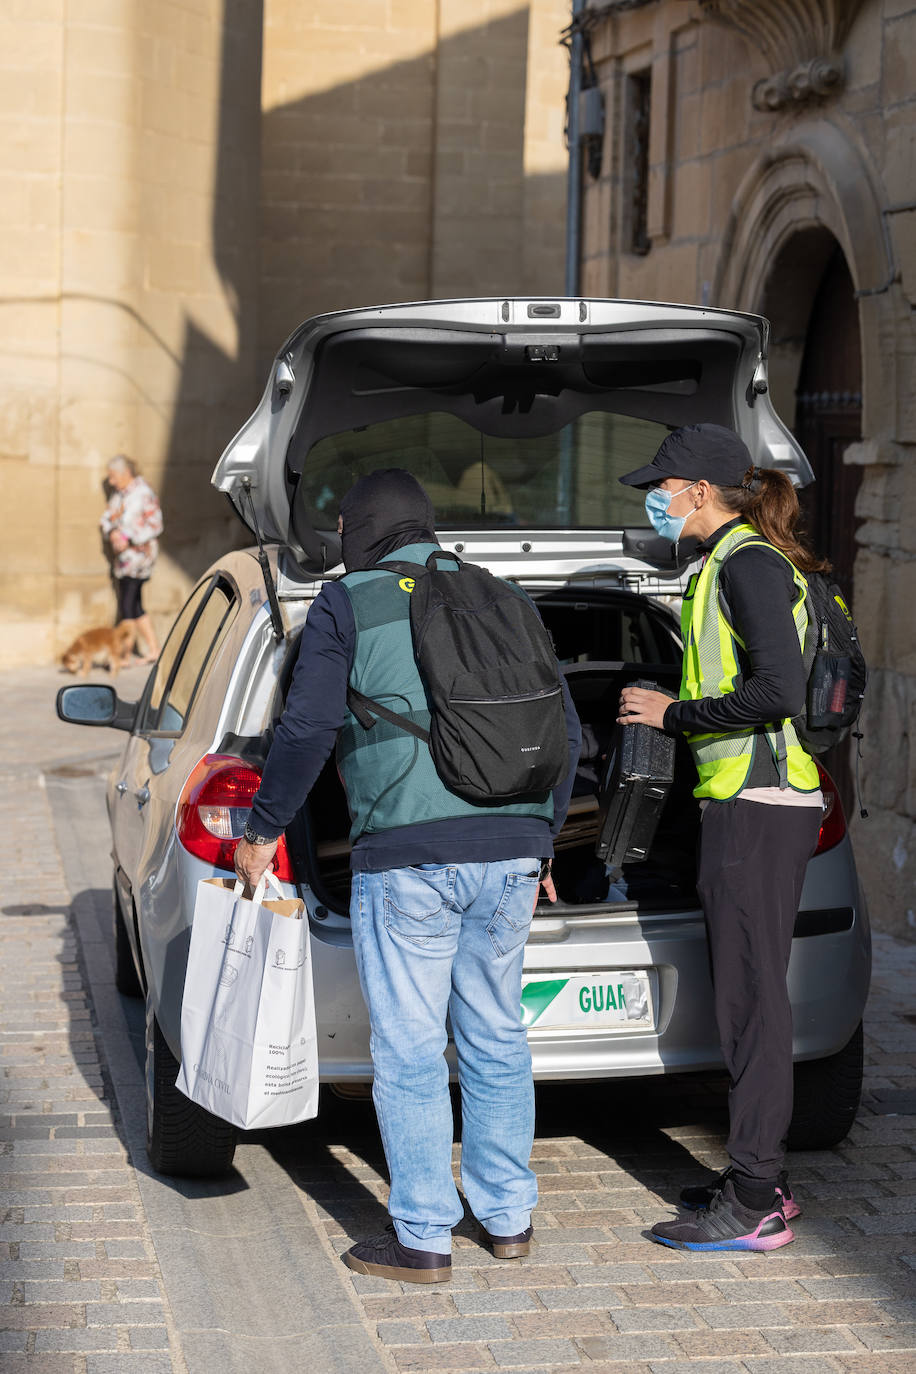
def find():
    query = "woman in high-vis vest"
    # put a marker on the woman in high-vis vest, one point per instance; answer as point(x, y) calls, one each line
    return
point(743, 680)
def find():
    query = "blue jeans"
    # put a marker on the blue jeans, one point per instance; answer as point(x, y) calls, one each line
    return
point(432, 941)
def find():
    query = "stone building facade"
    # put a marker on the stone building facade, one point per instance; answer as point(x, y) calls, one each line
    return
point(182, 182)
point(761, 156)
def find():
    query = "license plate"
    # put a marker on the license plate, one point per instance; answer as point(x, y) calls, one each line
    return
point(615, 1000)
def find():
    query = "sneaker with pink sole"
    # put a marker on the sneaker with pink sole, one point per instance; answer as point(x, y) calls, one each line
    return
point(726, 1225)
point(694, 1199)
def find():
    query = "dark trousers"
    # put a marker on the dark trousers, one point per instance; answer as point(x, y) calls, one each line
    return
point(752, 865)
point(130, 598)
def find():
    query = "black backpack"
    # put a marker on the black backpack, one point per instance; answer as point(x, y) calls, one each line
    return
point(835, 666)
point(498, 728)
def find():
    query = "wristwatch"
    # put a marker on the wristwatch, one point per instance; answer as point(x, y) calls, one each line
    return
point(544, 870)
point(253, 837)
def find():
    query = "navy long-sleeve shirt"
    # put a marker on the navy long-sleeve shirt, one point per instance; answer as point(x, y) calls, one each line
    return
point(759, 590)
point(316, 707)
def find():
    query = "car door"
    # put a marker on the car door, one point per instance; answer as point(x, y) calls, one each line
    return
point(151, 776)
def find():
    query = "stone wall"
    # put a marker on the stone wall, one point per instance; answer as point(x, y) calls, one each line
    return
point(181, 184)
point(411, 150)
point(31, 104)
point(739, 169)
point(127, 239)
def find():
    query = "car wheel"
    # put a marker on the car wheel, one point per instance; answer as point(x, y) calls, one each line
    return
point(827, 1093)
point(127, 980)
point(181, 1137)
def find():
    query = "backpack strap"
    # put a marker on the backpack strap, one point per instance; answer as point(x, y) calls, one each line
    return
point(404, 569)
point(365, 709)
point(414, 569)
point(751, 542)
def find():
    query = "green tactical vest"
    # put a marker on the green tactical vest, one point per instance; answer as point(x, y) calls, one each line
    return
point(389, 776)
point(724, 759)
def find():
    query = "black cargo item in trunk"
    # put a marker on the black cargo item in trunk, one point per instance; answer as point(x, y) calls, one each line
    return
point(633, 793)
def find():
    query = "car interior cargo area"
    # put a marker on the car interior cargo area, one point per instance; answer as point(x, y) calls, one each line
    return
point(604, 642)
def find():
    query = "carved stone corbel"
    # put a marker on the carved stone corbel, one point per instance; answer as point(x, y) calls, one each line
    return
point(801, 41)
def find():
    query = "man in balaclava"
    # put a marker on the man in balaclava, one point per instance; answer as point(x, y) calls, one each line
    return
point(442, 897)
point(381, 513)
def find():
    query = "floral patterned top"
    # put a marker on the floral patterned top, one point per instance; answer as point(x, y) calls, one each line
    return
point(134, 512)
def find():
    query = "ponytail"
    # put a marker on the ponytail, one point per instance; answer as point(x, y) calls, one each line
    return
point(767, 500)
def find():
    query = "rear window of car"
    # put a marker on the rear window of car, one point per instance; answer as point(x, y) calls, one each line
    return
point(554, 481)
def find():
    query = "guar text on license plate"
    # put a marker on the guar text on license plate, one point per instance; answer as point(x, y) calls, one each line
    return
point(615, 999)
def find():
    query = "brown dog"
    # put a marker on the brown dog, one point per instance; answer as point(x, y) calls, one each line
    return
point(104, 645)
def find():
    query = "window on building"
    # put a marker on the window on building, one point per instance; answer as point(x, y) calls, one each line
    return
point(636, 159)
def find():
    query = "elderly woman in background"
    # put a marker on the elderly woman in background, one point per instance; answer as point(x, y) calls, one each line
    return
point(132, 523)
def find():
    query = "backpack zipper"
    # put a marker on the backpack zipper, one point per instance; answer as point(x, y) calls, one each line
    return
point(498, 701)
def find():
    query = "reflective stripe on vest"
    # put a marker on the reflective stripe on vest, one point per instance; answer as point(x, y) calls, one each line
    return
point(711, 669)
point(388, 775)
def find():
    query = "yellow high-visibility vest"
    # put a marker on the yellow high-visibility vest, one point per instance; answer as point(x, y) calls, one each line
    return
point(724, 759)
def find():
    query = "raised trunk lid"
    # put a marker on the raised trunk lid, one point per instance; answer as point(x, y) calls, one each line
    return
point(518, 416)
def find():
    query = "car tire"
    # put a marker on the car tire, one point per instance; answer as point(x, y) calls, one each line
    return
point(127, 980)
point(827, 1093)
point(182, 1138)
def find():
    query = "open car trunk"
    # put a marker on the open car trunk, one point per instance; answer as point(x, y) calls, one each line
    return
point(604, 640)
point(517, 416)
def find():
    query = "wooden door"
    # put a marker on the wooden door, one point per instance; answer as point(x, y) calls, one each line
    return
point(828, 418)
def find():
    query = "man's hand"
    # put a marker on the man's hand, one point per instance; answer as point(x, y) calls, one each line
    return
point(253, 860)
point(550, 891)
point(640, 706)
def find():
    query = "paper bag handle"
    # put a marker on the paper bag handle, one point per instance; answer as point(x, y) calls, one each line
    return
point(266, 878)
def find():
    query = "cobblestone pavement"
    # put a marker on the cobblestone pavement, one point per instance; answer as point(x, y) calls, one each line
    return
point(75, 1256)
point(88, 1279)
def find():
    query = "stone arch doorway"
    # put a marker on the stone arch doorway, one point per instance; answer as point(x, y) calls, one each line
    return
point(816, 382)
point(815, 373)
point(800, 199)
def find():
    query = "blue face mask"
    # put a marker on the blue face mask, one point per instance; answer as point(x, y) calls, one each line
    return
point(657, 503)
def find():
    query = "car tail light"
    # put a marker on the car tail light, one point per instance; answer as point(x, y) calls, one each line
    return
point(833, 823)
point(213, 809)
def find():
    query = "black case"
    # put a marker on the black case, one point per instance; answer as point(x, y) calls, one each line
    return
point(634, 789)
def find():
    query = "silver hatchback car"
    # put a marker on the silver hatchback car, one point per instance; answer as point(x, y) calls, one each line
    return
point(517, 416)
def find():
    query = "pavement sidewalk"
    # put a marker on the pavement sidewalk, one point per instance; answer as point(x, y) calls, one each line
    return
point(107, 1269)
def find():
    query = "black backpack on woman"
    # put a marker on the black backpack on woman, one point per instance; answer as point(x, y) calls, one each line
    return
point(835, 667)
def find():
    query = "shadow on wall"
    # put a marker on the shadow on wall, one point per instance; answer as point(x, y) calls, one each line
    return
point(217, 388)
point(407, 184)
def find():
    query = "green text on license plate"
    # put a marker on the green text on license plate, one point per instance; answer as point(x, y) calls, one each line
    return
point(622, 999)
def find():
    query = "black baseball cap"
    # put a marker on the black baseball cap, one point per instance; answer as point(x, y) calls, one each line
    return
point(696, 451)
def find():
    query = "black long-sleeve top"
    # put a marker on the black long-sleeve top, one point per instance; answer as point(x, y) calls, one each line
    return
point(759, 590)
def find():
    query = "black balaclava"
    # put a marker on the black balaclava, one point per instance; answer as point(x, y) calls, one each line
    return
point(384, 511)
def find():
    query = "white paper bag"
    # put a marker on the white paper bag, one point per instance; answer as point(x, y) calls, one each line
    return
point(249, 1047)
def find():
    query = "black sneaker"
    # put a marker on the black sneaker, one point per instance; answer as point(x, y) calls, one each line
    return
point(507, 1247)
point(725, 1225)
point(695, 1199)
point(386, 1258)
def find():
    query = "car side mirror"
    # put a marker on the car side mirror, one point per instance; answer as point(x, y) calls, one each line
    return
point(95, 704)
